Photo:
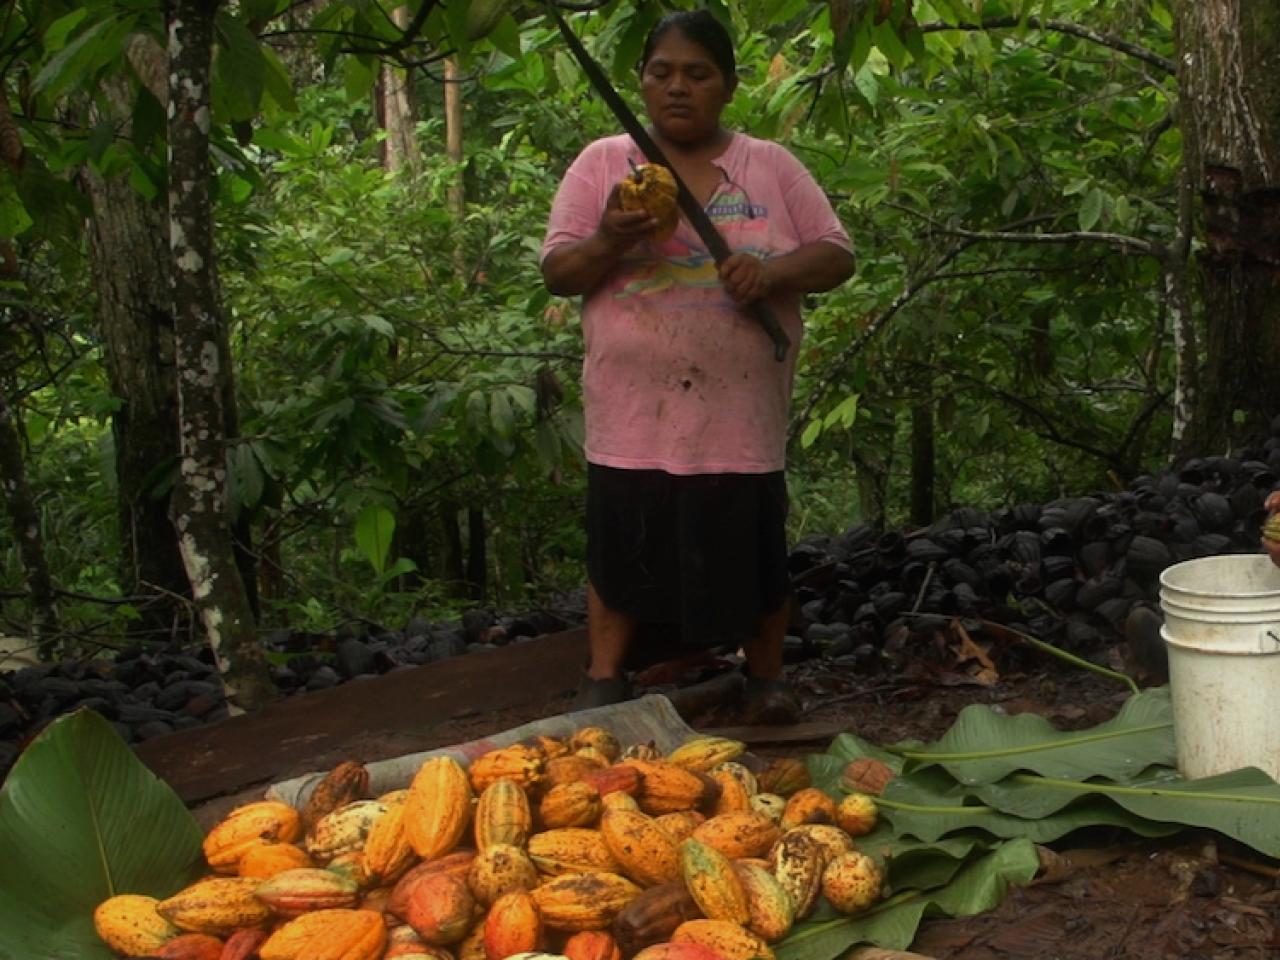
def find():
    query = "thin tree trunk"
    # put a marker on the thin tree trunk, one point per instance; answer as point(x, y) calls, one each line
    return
point(1230, 99)
point(922, 464)
point(400, 148)
point(25, 522)
point(201, 512)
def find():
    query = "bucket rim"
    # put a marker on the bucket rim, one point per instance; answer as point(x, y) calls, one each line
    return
point(1259, 560)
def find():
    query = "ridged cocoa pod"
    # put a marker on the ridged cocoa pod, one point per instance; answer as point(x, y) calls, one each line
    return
point(784, 776)
point(714, 883)
point(770, 805)
point(641, 751)
point(512, 925)
point(130, 924)
point(653, 916)
point(438, 808)
point(867, 775)
point(328, 935)
point(734, 796)
point(268, 858)
point(797, 861)
point(592, 945)
point(770, 911)
point(551, 747)
point(344, 784)
point(244, 944)
point(731, 941)
point(643, 849)
point(833, 840)
point(403, 942)
point(343, 830)
point(668, 788)
point(292, 893)
point(499, 870)
point(524, 764)
point(569, 805)
point(596, 738)
point(584, 901)
point(442, 910)
point(738, 835)
point(191, 946)
point(619, 777)
point(706, 753)
point(252, 823)
point(618, 801)
point(218, 906)
point(502, 815)
point(809, 805)
point(387, 851)
point(457, 864)
point(571, 850)
point(681, 824)
point(568, 769)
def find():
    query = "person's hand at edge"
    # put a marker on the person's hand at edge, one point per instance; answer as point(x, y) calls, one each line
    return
point(1272, 546)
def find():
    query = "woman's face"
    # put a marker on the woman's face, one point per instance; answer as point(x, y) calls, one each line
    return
point(684, 90)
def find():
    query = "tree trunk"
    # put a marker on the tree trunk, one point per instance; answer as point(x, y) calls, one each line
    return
point(400, 148)
point(477, 554)
point(25, 522)
point(201, 513)
point(922, 464)
point(1230, 97)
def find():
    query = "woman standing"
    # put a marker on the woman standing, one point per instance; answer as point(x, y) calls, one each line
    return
point(686, 407)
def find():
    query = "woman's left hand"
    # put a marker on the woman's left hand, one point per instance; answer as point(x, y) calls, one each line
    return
point(746, 278)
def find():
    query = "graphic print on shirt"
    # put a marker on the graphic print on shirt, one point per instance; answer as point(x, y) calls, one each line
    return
point(683, 261)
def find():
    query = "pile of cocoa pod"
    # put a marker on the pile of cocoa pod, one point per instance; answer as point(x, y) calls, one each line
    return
point(569, 847)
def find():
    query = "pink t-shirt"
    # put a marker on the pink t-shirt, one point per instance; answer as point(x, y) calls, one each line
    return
point(677, 377)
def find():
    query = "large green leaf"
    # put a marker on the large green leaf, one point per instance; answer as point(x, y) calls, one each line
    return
point(984, 746)
point(980, 886)
point(81, 820)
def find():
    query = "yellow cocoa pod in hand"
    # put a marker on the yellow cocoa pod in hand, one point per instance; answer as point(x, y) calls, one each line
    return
point(652, 188)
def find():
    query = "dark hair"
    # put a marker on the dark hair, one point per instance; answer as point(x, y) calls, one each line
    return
point(700, 27)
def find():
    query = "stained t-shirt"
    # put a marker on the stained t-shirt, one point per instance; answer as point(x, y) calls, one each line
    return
point(677, 377)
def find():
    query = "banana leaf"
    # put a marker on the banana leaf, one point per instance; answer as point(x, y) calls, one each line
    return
point(981, 885)
point(983, 746)
point(82, 819)
point(826, 769)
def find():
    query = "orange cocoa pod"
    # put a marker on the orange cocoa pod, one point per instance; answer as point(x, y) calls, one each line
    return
point(375, 899)
point(471, 947)
point(569, 805)
point(583, 901)
point(252, 823)
point(569, 769)
point(344, 784)
point(715, 886)
point(551, 747)
point(437, 810)
point(681, 824)
point(644, 850)
point(653, 916)
point(738, 835)
point(512, 925)
point(499, 870)
point(592, 945)
point(217, 906)
point(191, 946)
point(502, 815)
point(734, 797)
point(244, 944)
point(784, 776)
point(668, 788)
point(524, 764)
point(337, 934)
point(403, 941)
point(387, 852)
point(442, 910)
point(457, 864)
point(268, 858)
point(685, 950)
point(292, 893)
point(571, 850)
point(620, 777)
point(809, 805)
point(729, 940)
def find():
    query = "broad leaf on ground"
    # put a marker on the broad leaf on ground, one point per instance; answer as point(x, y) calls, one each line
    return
point(82, 819)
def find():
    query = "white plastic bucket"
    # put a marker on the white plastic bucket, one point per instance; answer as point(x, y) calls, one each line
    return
point(1222, 633)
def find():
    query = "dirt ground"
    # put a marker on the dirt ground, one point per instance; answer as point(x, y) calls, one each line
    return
point(1107, 895)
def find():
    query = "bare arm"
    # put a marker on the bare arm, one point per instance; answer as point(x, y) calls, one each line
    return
point(812, 268)
point(578, 268)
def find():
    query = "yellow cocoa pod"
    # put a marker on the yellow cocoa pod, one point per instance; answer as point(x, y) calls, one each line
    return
point(797, 861)
point(738, 835)
point(731, 941)
point(438, 808)
point(387, 851)
point(834, 840)
point(266, 859)
point(336, 934)
point(652, 188)
point(680, 824)
point(570, 805)
point(706, 753)
point(521, 762)
point(502, 815)
point(343, 830)
point(770, 914)
point(1271, 527)
point(809, 805)
point(247, 825)
point(571, 850)
point(499, 869)
point(715, 885)
point(734, 795)
point(295, 892)
point(597, 738)
point(618, 801)
point(852, 882)
point(583, 901)
point(130, 925)
point(856, 814)
point(643, 849)
point(218, 906)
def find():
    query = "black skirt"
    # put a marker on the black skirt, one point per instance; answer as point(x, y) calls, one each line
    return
point(704, 556)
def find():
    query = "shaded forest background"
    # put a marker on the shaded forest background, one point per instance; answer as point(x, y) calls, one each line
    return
point(274, 347)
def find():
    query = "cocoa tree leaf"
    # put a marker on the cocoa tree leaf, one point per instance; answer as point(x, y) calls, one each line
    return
point(83, 819)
